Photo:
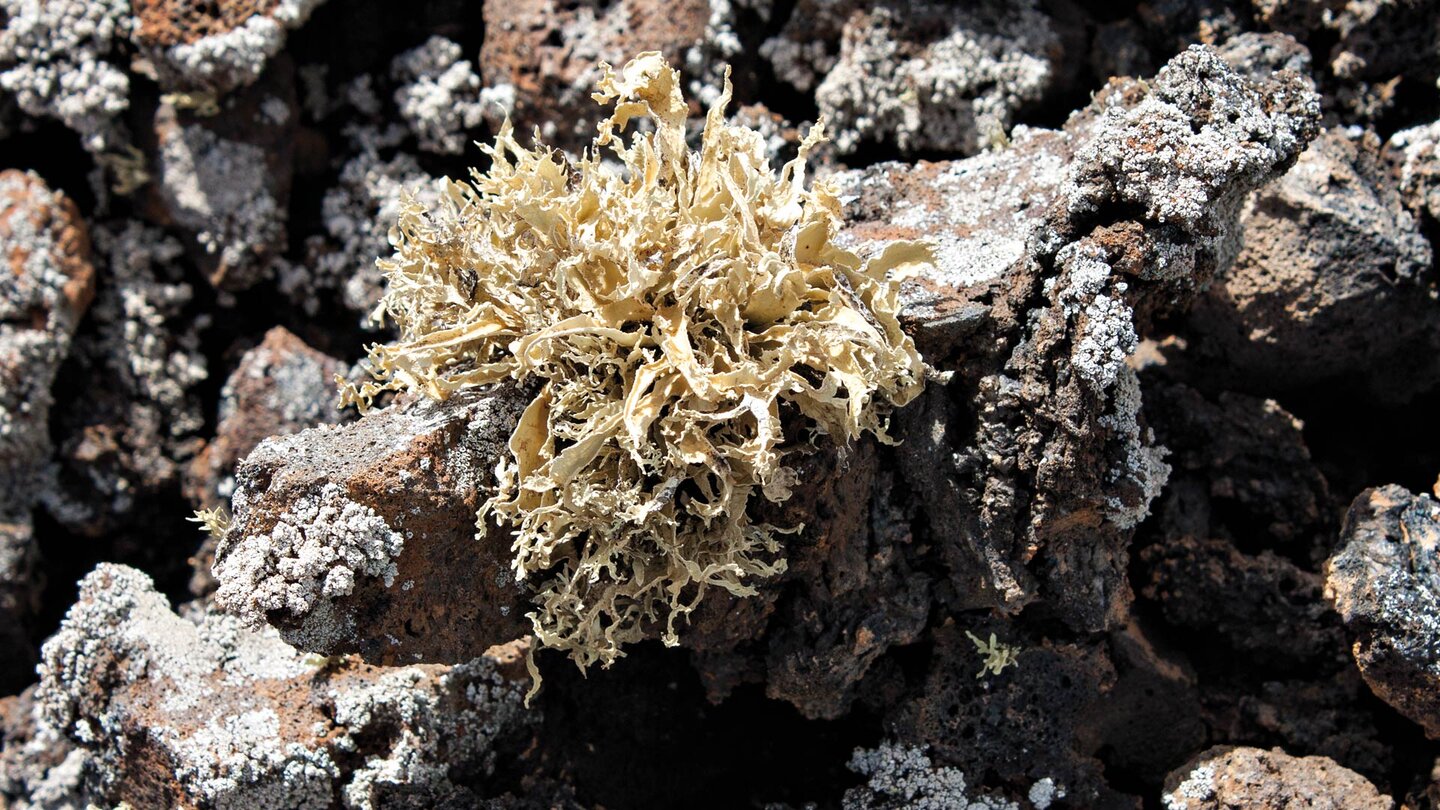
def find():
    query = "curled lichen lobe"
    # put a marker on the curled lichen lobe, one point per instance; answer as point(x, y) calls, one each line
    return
point(687, 322)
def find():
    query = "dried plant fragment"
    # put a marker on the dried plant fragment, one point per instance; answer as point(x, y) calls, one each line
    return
point(686, 323)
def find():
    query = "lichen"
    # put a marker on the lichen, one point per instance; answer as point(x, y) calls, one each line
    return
point(997, 656)
point(440, 96)
point(938, 76)
point(902, 777)
point(57, 58)
point(242, 720)
point(315, 551)
point(687, 325)
point(221, 62)
point(217, 188)
point(214, 522)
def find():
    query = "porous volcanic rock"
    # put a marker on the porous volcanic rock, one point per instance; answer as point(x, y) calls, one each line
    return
point(1228, 776)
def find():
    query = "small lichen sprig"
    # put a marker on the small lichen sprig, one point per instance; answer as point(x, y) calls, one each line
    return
point(214, 522)
point(997, 656)
point(686, 321)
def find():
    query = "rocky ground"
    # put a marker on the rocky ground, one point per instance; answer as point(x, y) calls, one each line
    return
point(1159, 533)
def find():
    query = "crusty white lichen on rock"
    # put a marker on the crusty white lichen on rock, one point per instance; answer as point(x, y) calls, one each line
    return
point(56, 58)
point(903, 777)
point(686, 323)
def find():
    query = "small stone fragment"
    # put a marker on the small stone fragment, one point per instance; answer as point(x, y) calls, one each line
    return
point(1385, 581)
point(1231, 777)
point(280, 387)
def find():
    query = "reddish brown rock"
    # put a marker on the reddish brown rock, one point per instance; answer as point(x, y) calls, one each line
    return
point(46, 286)
point(162, 23)
point(979, 215)
point(28, 209)
point(280, 387)
point(853, 589)
point(1033, 491)
point(210, 49)
point(547, 51)
point(1231, 777)
point(361, 537)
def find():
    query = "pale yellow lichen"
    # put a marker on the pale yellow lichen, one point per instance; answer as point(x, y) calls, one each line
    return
point(997, 656)
point(686, 322)
point(214, 522)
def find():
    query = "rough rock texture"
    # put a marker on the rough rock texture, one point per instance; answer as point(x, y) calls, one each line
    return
point(358, 213)
point(361, 537)
point(1257, 54)
point(213, 48)
point(280, 387)
point(813, 634)
point(899, 777)
point(39, 768)
point(1030, 716)
point(930, 76)
point(56, 58)
point(979, 216)
point(1385, 582)
point(1307, 711)
point(1241, 471)
point(1378, 49)
point(224, 178)
point(1332, 282)
point(1413, 154)
point(1057, 469)
point(130, 413)
point(1263, 606)
point(1226, 776)
point(46, 285)
point(539, 58)
point(179, 713)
